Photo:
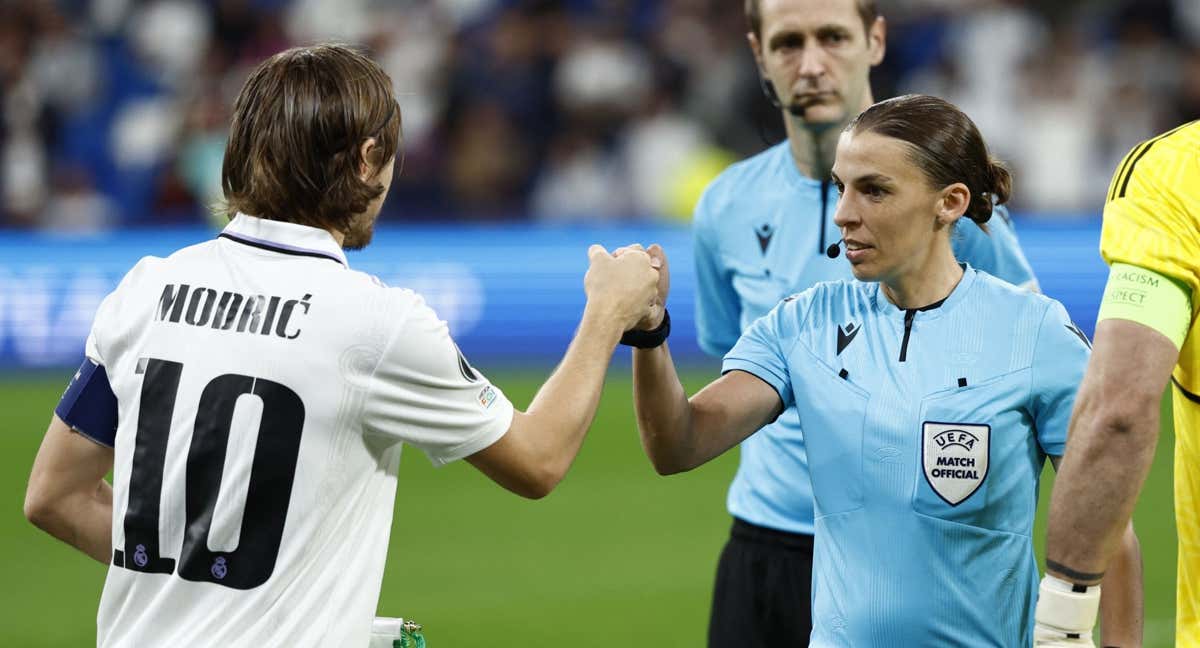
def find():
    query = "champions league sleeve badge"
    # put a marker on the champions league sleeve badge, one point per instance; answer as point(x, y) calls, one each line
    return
point(955, 458)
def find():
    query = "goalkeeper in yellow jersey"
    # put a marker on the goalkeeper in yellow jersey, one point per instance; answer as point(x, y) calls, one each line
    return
point(1147, 336)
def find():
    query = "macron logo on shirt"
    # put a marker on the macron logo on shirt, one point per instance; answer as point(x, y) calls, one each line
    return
point(846, 336)
point(764, 233)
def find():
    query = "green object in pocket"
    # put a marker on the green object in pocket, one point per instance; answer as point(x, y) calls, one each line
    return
point(410, 636)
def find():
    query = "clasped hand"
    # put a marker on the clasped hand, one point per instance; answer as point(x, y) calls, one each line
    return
point(631, 283)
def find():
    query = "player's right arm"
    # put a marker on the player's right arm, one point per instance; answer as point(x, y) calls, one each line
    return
point(1113, 435)
point(1144, 318)
point(425, 393)
point(542, 442)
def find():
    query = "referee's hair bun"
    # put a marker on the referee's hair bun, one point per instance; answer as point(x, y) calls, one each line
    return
point(945, 144)
point(995, 189)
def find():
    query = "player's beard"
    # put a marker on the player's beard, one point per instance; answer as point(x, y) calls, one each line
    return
point(360, 232)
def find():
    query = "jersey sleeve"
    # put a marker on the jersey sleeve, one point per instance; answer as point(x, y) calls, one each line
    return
point(718, 309)
point(1148, 227)
point(88, 405)
point(1060, 357)
point(91, 348)
point(997, 251)
point(424, 392)
point(108, 319)
point(761, 352)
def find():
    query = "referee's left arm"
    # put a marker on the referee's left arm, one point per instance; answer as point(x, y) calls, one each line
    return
point(679, 433)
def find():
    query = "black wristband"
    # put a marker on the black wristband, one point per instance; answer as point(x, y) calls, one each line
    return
point(649, 339)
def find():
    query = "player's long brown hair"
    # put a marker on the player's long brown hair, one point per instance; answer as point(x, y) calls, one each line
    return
point(945, 144)
point(295, 142)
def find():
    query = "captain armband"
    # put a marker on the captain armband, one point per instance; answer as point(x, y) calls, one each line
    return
point(89, 406)
point(1144, 296)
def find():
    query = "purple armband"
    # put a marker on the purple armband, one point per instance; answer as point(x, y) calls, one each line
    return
point(89, 405)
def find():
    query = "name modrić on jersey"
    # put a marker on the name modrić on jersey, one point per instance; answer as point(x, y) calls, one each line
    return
point(231, 311)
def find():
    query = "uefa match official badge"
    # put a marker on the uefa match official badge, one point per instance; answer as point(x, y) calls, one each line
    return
point(955, 458)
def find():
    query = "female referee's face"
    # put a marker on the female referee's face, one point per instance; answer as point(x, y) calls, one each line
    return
point(887, 211)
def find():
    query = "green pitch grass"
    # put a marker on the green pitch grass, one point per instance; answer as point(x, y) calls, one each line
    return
point(616, 556)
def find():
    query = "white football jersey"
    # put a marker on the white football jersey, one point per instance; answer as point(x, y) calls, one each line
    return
point(264, 390)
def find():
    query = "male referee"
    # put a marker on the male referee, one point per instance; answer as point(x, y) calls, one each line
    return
point(251, 393)
point(763, 230)
point(1147, 337)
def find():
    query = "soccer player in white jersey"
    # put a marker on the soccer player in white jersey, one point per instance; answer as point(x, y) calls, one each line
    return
point(933, 394)
point(251, 393)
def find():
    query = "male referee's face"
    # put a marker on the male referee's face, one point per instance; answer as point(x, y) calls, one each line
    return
point(818, 55)
point(886, 211)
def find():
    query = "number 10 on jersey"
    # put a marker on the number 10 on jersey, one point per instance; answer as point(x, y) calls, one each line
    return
point(268, 492)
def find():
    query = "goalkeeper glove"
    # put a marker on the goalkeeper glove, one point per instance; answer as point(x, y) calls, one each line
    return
point(1065, 615)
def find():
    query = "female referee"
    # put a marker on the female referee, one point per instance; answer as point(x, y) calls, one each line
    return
point(932, 394)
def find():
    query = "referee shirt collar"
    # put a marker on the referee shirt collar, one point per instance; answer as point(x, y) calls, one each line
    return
point(882, 305)
point(792, 172)
point(284, 238)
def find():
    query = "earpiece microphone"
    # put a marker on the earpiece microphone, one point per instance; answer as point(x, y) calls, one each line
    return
point(834, 250)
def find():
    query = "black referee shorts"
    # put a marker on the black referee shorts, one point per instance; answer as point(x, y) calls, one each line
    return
point(763, 594)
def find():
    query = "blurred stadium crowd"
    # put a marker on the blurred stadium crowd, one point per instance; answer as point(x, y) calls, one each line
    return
point(113, 112)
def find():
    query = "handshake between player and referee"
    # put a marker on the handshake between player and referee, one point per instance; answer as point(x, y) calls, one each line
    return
point(924, 473)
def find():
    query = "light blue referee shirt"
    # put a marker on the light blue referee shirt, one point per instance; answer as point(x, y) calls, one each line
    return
point(761, 230)
point(928, 432)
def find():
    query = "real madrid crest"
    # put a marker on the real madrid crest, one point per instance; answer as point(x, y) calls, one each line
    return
point(955, 458)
